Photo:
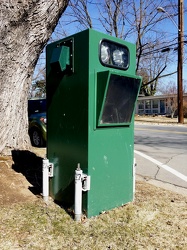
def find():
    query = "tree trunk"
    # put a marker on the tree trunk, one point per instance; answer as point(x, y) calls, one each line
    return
point(26, 26)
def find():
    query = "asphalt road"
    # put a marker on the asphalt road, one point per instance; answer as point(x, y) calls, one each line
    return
point(161, 153)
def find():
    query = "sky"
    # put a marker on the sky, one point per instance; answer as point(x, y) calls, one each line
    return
point(166, 25)
point(170, 27)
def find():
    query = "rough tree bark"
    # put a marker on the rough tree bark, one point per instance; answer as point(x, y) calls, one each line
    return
point(26, 26)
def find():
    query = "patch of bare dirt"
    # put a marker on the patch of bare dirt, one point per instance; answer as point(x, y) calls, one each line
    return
point(21, 176)
point(14, 186)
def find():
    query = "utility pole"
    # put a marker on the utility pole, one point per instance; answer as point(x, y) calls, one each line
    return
point(180, 60)
point(180, 28)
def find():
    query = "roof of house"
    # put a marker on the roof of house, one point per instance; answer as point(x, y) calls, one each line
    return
point(159, 97)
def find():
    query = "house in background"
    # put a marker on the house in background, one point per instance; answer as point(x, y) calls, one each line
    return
point(158, 105)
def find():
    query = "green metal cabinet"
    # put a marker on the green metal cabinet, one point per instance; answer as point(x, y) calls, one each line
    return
point(90, 104)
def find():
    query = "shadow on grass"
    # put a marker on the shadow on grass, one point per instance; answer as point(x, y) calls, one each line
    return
point(30, 165)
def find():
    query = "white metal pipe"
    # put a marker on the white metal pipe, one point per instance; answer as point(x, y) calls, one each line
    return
point(45, 179)
point(134, 178)
point(78, 193)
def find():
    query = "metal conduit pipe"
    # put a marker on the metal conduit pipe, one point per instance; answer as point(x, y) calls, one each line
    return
point(82, 183)
point(45, 186)
point(134, 178)
point(78, 193)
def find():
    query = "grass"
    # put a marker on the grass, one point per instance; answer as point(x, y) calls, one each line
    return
point(156, 220)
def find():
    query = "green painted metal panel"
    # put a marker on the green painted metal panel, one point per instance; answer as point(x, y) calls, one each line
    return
point(75, 103)
point(67, 114)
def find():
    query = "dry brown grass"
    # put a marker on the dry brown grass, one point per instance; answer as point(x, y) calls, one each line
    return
point(158, 120)
point(156, 220)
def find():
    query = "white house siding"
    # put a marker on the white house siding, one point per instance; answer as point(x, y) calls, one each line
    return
point(150, 105)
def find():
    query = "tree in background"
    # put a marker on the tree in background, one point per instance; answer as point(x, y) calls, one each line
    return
point(170, 90)
point(38, 89)
point(171, 102)
point(25, 28)
point(38, 86)
point(137, 21)
point(79, 13)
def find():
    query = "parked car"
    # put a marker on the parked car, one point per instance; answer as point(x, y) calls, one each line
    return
point(37, 121)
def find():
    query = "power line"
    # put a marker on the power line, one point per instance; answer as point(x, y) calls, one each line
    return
point(161, 49)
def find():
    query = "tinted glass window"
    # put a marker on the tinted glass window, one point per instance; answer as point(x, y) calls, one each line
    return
point(120, 100)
